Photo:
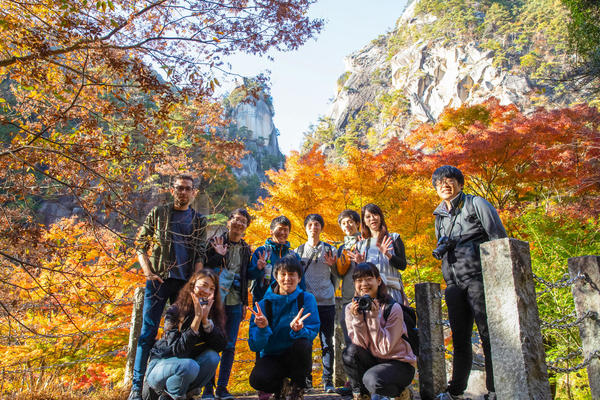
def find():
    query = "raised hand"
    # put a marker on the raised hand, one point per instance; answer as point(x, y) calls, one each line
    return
point(219, 246)
point(259, 318)
point(385, 246)
point(262, 260)
point(298, 321)
point(330, 258)
point(356, 256)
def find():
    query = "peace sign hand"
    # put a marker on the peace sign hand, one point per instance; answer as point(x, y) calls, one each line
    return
point(385, 246)
point(219, 246)
point(259, 318)
point(298, 321)
point(262, 260)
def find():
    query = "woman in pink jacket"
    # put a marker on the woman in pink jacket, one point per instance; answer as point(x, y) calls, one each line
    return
point(379, 361)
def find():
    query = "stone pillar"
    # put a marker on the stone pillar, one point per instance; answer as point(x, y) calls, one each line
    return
point(134, 333)
point(518, 356)
point(339, 376)
point(587, 298)
point(432, 363)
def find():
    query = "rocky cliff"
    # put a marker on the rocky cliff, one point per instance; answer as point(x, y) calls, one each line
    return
point(430, 62)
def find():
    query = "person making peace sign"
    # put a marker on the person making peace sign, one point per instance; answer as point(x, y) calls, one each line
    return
point(282, 328)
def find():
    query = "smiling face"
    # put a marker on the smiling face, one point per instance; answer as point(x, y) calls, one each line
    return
point(367, 285)
point(313, 229)
point(349, 226)
point(237, 225)
point(373, 221)
point(204, 287)
point(280, 234)
point(448, 188)
point(287, 281)
point(183, 193)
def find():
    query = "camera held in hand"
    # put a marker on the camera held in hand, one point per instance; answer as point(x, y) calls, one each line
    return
point(444, 245)
point(364, 302)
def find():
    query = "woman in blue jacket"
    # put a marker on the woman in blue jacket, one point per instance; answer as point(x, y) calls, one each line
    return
point(186, 358)
point(282, 328)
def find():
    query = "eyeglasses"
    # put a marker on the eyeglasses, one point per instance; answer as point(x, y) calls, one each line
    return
point(446, 182)
point(180, 188)
point(241, 220)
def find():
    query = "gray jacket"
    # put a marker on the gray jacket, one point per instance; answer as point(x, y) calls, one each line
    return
point(472, 221)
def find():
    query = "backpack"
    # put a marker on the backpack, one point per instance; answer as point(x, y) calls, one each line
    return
point(269, 306)
point(410, 320)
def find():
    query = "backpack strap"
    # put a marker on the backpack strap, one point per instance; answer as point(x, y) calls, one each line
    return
point(269, 310)
point(388, 309)
point(300, 300)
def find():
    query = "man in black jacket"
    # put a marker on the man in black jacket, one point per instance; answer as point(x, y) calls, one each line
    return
point(462, 223)
point(230, 252)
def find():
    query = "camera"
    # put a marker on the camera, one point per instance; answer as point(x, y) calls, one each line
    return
point(444, 245)
point(364, 302)
point(237, 282)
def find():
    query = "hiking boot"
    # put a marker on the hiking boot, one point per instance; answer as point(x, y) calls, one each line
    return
point(328, 387)
point(405, 395)
point(297, 393)
point(135, 394)
point(222, 394)
point(285, 390)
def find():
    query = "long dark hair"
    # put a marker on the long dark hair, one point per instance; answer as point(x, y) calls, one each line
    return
point(365, 230)
point(185, 304)
point(369, 269)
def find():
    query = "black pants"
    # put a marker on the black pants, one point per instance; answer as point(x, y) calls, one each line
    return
point(465, 305)
point(369, 374)
point(270, 370)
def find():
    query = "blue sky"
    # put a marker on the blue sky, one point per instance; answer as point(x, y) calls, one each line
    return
point(303, 82)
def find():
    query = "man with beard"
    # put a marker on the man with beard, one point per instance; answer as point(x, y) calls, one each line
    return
point(176, 233)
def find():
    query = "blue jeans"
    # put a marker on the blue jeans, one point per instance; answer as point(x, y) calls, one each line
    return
point(232, 327)
point(178, 376)
point(155, 299)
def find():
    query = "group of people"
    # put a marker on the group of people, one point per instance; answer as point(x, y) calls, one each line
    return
point(207, 283)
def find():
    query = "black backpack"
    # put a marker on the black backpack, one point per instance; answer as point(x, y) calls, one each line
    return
point(410, 320)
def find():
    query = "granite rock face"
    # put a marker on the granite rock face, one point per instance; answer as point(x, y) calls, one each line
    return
point(430, 75)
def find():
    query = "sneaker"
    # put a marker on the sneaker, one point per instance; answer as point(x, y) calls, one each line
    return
point(328, 387)
point(135, 394)
point(223, 394)
point(263, 395)
point(297, 393)
point(376, 396)
point(448, 396)
point(309, 386)
point(208, 393)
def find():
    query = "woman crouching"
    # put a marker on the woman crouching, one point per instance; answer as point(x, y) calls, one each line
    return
point(379, 361)
point(186, 357)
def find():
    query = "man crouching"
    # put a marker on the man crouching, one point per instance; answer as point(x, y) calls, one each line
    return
point(282, 328)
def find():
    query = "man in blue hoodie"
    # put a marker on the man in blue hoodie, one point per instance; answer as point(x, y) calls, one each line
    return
point(265, 257)
point(282, 329)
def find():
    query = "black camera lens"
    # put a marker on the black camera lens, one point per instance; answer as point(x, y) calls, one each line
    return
point(445, 244)
point(364, 302)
